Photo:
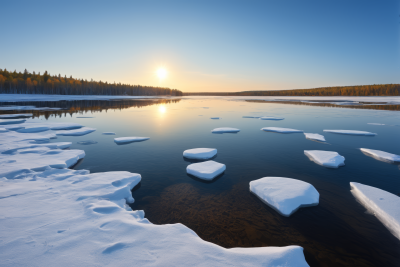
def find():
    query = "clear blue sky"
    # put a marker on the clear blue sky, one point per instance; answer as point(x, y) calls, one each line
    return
point(206, 45)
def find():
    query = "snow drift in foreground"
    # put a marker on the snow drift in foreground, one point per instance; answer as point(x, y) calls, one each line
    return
point(285, 195)
point(225, 130)
point(350, 132)
point(329, 159)
point(315, 137)
point(77, 132)
point(200, 153)
point(21, 115)
point(207, 170)
point(280, 130)
point(384, 205)
point(125, 140)
point(381, 155)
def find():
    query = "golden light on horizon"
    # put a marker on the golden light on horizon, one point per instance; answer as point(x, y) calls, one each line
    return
point(162, 73)
point(162, 109)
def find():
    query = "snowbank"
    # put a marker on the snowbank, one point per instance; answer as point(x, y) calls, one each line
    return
point(225, 130)
point(329, 159)
point(124, 140)
point(350, 132)
point(207, 170)
point(200, 153)
point(381, 155)
point(77, 132)
point(315, 137)
point(280, 130)
point(285, 195)
point(384, 205)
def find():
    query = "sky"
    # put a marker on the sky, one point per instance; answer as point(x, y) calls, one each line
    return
point(206, 46)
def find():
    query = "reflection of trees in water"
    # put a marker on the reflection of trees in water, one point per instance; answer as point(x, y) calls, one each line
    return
point(83, 106)
point(361, 106)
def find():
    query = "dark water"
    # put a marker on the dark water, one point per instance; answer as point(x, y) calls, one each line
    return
point(337, 232)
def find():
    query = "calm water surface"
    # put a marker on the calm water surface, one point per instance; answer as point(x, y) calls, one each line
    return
point(337, 232)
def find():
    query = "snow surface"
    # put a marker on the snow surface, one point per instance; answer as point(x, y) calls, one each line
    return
point(123, 140)
point(109, 133)
point(271, 118)
point(200, 153)
point(281, 130)
point(329, 159)
point(4, 122)
point(374, 123)
point(384, 205)
point(315, 137)
point(285, 195)
point(77, 132)
point(350, 132)
point(21, 115)
point(207, 170)
point(214, 118)
point(3, 130)
point(225, 130)
point(50, 125)
point(381, 155)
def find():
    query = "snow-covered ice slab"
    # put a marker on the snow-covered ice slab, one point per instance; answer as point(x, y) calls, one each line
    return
point(214, 118)
point(124, 140)
point(77, 132)
point(329, 159)
point(384, 205)
point(62, 217)
point(280, 130)
point(109, 133)
point(285, 195)
point(33, 129)
point(315, 137)
point(50, 125)
point(207, 170)
point(200, 153)
point(225, 130)
point(271, 118)
point(350, 132)
point(381, 155)
point(375, 123)
point(16, 121)
point(21, 115)
point(3, 130)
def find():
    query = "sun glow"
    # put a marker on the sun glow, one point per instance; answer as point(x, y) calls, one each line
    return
point(162, 73)
point(162, 109)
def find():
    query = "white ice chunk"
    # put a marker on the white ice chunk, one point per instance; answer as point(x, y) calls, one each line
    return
point(122, 140)
point(207, 170)
point(77, 132)
point(384, 205)
point(329, 159)
point(21, 115)
point(3, 130)
point(225, 130)
point(214, 118)
point(33, 129)
point(271, 118)
point(381, 155)
point(109, 133)
point(281, 130)
point(50, 125)
point(200, 153)
point(15, 121)
point(350, 132)
point(374, 123)
point(285, 195)
point(315, 137)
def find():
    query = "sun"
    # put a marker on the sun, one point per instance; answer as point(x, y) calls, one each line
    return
point(162, 73)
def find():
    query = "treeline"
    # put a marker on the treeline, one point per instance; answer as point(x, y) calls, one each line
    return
point(358, 90)
point(35, 83)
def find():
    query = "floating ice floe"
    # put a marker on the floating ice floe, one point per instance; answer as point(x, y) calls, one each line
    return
point(384, 205)
point(285, 195)
point(329, 159)
point(3, 130)
point(374, 123)
point(77, 132)
point(251, 117)
point(225, 130)
point(16, 121)
point(214, 118)
point(271, 118)
point(200, 153)
point(315, 137)
point(87, 142)
point(33, 129)
point(21, 115)
point(123, 140)
point(281, 130)
point(350, 132)
point(207, 170)
point(381, 155)
point(51, 126)
point(109, 133)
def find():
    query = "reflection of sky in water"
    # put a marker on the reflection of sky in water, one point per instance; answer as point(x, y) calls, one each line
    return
point(224, 212)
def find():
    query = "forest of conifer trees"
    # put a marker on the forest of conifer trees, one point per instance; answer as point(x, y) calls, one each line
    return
point(35, 83)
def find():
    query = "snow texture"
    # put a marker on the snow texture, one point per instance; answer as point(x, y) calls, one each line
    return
point(124, 140)
point(207, 170)
point(350, 132)
point(271, 118)
point(381, 155)
point(285, 195)
point(384, 205)
point(109, 133)
point(200, 153)
point(329, 159)
point(281, 130)
point(225, 130)
point(3, 130)
point(11, 116)
point(77, 132)
point(315, 137)
point(4, 122)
